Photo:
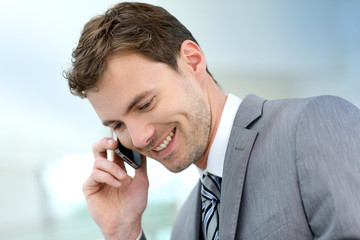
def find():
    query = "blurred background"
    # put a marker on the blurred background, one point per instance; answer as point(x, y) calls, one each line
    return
point(273, 48)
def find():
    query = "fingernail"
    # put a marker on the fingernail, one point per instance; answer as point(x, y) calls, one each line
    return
point(110, 141)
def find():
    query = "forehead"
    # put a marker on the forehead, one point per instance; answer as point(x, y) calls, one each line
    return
point(124, 68)
point(126, 76)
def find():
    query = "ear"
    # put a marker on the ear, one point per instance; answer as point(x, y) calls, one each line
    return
point(192, 56)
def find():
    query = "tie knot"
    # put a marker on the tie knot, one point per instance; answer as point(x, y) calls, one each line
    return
point(211, 187)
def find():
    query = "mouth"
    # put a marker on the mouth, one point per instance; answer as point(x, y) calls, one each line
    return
point(164, 144)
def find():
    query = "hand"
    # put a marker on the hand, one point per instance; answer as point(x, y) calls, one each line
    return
point(115, 201)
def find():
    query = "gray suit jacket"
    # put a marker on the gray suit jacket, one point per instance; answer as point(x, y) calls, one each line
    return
point(291, 171)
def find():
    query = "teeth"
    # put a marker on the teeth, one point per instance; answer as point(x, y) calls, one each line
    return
point(165, 143)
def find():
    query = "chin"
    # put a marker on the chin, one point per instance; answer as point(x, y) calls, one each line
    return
point(178, 164)
point(177, 168)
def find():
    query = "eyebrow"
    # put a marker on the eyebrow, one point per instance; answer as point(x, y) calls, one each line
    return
point(135, 101)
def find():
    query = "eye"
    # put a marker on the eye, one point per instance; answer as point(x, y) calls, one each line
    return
point(119, 125)
point(146, 105)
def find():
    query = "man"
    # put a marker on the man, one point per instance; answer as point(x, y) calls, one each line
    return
point(285, 169)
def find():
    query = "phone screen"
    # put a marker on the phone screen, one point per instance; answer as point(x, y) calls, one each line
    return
point(131, 157)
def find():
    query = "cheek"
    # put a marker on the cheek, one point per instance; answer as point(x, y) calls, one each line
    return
point(165, 112)
point(124, 138)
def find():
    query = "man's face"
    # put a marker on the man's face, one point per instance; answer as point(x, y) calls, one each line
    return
point(161, 113)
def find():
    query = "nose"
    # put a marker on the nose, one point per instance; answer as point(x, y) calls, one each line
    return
point(140, 133)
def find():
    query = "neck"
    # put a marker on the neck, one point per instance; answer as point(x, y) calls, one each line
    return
point(216, 99)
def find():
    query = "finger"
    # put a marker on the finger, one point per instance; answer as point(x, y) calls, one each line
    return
point(100, 147)
point(141, 178)
point(110, 167)
point(97, 179)
point(143, 169)
point(104, 177)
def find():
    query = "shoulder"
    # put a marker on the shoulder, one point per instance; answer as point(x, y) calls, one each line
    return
point(312, 108)
point(330, 104)
point(329, 113)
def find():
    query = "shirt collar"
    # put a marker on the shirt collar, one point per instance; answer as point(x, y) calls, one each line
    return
point(216, 158)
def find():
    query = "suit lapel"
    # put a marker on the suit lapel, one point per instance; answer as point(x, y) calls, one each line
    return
point(237, 156)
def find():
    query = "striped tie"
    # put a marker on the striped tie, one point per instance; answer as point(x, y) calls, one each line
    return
point(210, 195)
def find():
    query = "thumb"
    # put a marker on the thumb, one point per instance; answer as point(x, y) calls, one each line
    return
point(142, 171)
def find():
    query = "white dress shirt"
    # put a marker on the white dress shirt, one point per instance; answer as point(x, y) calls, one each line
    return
point(216, 158)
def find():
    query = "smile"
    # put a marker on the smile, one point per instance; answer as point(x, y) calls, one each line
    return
point(165, 143)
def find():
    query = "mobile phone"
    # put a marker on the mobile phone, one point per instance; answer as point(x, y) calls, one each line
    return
point(131, 157)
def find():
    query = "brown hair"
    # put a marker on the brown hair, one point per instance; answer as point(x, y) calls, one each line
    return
point(127, 27)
